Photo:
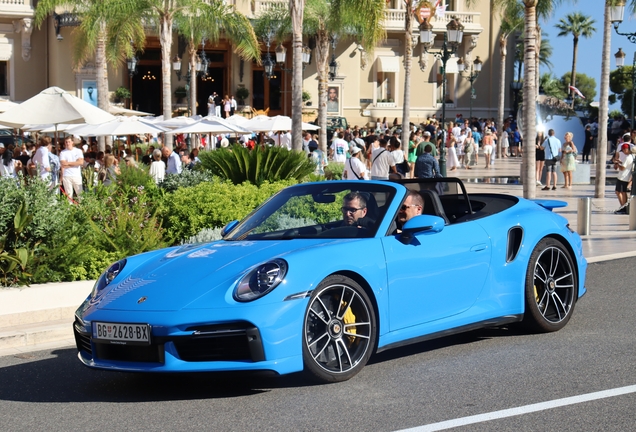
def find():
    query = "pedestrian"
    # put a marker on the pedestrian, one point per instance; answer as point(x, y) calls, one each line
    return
point(539, 156)
point(157, 167)
point(354, 168)
point(488, 147)
point(551, 145)
point(568, 159)
point(624, 166)
point(71, 162)
point(382, 162)
point(173, 160)
point(588, 144)
point(426, 165)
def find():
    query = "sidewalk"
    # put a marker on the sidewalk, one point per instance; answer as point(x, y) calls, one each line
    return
point(41, 316)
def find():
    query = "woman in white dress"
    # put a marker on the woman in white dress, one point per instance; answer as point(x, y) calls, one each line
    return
point(157, 167)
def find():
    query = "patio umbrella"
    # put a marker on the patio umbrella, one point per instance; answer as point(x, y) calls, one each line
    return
point(62, 127)
point(6, 104)
point(213, 125)
point(125, 126)
point(116, 110)
point(237, 120)
point(53, 106)
point(272, 124)
point(178, 122)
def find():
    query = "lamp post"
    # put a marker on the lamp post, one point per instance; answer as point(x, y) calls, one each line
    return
point(475, 69)
point(281, 57)
point(452, 38)
point(620, 62)
point(201, 68)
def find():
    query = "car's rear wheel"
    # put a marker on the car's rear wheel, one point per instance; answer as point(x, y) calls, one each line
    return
point(339, 330)
point(551, 287)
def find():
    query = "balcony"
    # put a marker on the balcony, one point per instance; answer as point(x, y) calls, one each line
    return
point(394, 21)
point(16, 8)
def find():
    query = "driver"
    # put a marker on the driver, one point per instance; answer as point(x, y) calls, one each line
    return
point(413, 206)
point(354, 208)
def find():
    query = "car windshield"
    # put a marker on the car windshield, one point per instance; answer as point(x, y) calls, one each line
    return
point(318, 210)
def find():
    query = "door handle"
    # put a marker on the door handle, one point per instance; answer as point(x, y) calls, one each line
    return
point(478, 248)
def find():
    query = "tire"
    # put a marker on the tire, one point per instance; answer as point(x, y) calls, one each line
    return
point(339, 331)
point(551, 287)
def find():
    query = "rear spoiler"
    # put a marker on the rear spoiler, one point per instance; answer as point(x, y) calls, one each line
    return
point(549, 204)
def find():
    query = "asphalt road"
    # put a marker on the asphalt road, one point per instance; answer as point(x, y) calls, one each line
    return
point(476, 373)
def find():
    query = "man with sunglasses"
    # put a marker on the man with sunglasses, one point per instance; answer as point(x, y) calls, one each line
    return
point(354, 208)
point(413, 206)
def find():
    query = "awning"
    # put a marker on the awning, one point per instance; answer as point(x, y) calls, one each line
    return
point(6, 49)
point(451, 66)
point(388, 64)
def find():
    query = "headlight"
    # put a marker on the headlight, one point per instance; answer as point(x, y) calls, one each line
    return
point(107, 277)
point(260, 280)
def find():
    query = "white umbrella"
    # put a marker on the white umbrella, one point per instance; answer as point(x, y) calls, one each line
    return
point(178, 122)
point(271, 124)
point(214, 125)
point(54, 106)
point(6, 104)
point(125, 126)
point(62, 127)
point(237, 120)
point(116, 110)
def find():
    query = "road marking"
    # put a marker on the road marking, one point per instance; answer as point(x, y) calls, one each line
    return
point(511, 412)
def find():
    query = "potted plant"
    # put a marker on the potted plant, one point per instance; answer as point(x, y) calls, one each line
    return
point(180, 93)
point(242, 93)
point(121, 94)
point(306, 98)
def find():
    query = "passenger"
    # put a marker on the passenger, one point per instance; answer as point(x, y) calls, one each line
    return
point(413, 206)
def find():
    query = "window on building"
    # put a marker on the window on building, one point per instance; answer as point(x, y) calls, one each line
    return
point(386, 86)
point(4, 78)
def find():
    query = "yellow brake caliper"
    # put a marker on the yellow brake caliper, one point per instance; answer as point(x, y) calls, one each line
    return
point(349, 318)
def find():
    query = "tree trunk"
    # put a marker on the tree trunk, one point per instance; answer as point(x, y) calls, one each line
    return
point(603, 109)
point(537, 54)
point(322, 54)
point(165, 38)
point(408, 63)
point(573, 77)
point(503, 50)
point(529, 99)
point(296, 8)
point(101, 76)
point(192, 51)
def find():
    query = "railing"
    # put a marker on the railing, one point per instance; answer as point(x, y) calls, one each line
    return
point(16, 8)
point(394, 20)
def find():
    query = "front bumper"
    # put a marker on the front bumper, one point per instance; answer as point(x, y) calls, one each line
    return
point(248, 338)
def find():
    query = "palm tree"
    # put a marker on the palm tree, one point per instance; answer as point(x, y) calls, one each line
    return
point(297, 10)
point(207, 23)
point(577, 25)
point(106, 31)
point(511, 21)
point(408, 63)
point(324, 20)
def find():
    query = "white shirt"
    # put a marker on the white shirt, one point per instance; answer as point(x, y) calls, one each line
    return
point(41, 159)
point(352, 167)
point(7, 170)
point(281, 140)
point(72, 155)
point(158, 171)
point(233, 103)
point(382, 161)
point(627, 161)
point(339, 148)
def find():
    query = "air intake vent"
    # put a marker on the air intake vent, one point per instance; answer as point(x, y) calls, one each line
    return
point(515, 237)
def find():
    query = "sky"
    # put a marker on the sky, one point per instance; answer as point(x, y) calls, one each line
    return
point(590, 49)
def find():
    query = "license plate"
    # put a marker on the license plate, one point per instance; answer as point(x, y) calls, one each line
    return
point(121, 333)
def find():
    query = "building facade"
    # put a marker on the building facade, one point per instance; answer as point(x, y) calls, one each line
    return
point(368, 85)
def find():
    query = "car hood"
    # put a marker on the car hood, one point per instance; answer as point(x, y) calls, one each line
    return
point(175, 277)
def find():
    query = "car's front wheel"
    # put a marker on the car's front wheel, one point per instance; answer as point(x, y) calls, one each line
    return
point(339, 330)
point(551, 287)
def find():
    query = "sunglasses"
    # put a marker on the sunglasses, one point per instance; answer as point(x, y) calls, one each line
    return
point(351, 209)
point(406, 206)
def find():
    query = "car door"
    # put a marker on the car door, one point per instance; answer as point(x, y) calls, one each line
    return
point(436, 275)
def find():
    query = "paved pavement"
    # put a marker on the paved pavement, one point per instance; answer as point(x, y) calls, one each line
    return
point(40, 317)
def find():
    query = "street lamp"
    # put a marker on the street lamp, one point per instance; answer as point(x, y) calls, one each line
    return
point(475, 69)
point(616, 14)
point(620, 62)
point(281, 57)
point(132, 65)
point(452, 39)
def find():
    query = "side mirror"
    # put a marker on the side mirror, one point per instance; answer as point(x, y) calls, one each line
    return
point(421, 223)
point(229, 227)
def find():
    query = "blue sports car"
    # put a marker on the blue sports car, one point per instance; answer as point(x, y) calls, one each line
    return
point(322, 275)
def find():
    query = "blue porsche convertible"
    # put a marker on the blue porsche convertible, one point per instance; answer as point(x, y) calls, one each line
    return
point(322, 275)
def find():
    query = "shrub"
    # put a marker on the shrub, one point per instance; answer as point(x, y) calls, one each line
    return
point(187, 211)
point(13, 264)
point(134, 177)
point(272, 164)
point(187, 178)
point(206, 235)
point(334, 171)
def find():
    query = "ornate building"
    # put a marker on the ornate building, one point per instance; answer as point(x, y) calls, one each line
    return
point(368, 85)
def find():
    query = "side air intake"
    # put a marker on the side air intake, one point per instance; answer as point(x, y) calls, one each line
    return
point(515, 237)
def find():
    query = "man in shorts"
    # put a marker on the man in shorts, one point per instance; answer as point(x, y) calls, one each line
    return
point(624, 167)
point(551, 146)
